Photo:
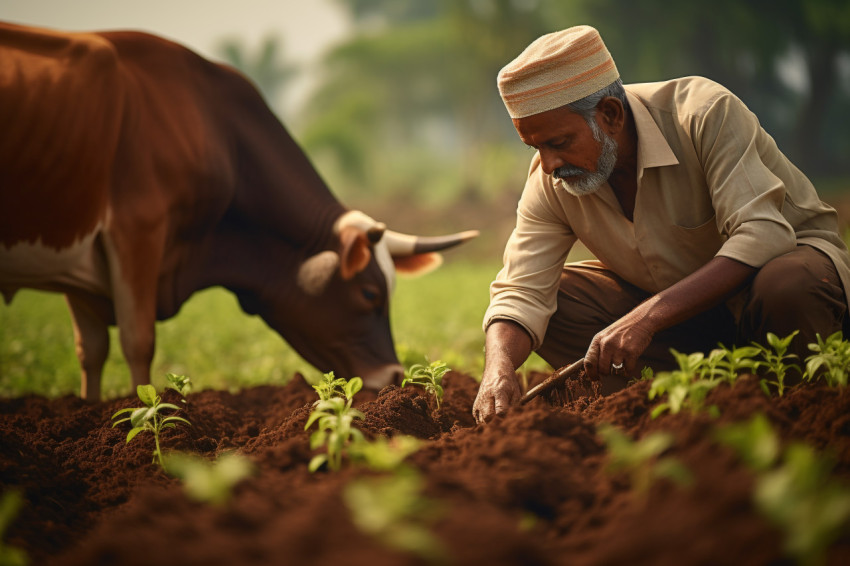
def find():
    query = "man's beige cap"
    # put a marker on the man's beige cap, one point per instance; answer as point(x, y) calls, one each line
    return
point(556, 69)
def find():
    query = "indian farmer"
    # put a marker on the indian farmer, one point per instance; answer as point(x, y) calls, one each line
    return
point(703, 231)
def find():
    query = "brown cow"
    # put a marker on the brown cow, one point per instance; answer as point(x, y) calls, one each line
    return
point(134, 172)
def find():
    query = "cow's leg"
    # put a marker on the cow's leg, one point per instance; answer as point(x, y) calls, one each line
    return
point(134, 269)
point(91, 336)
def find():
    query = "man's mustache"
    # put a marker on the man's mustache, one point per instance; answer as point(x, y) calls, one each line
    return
point(569, 171)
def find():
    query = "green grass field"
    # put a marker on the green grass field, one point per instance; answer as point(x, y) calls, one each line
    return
point(220, 347)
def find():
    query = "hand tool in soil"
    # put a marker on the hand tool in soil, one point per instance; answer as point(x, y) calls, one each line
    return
point(555, 384)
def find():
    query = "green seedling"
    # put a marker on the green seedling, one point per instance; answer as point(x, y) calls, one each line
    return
point(209, 482)
point(180, 383)
point(830, 360)
point(774, 360)
point(683, 387)
point(430, 377)
point(647, 374)
point(10, 504)
point(393, 510)
point(331, 386)
point(754, 441)
point(795, 491)
point(336, 432)
point(385, 455)
point(149, 418)
point(726, 364)
point(802, 499)
point(640, 459)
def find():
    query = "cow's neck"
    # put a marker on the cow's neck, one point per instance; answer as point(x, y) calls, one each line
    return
point(248, 262)
point(279, 210)
point(277, 187)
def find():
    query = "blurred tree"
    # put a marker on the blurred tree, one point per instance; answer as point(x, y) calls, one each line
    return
point(429, 69)
point(413, 92)
point(743, 45)
point(266, 67)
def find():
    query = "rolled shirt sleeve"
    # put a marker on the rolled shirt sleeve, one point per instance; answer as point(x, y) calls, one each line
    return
point(525, 289)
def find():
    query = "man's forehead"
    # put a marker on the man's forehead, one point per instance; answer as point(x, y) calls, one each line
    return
point(545, 125)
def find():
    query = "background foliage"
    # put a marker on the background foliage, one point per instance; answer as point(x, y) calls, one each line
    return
point(405, 122)
point(409, 104)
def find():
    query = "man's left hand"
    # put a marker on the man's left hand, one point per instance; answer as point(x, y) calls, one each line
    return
point(615, 350)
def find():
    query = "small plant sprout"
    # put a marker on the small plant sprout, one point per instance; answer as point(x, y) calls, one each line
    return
point(180, 383)
point(830, 360)
point(430, 377)
point(149, 418)
point(726, 364)
point(393, 510)
point(330, 386)
point(336, 432)
point(10, 504)
point(683, 387)
point(774, 360)
point(385, 455)
point(753, 440)
point(794, 491)
point(209, 482)
point(640, 459)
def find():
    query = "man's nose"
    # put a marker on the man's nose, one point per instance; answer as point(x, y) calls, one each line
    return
point(550, 161)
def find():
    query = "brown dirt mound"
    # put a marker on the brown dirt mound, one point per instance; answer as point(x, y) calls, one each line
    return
point(528, 488)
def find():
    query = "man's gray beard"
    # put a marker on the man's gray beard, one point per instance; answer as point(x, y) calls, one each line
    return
point(587, 182)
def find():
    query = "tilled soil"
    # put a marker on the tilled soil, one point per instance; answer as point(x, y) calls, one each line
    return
point(530, 487)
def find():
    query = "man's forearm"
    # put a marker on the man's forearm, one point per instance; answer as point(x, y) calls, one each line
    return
point(506, 343)
point(710, 285)
point(622, 343)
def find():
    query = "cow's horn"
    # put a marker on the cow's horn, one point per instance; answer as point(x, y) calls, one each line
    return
point(376, 232)
point(401, 245)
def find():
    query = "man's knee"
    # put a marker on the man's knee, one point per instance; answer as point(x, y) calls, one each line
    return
point(801, 292)
point(797, 282)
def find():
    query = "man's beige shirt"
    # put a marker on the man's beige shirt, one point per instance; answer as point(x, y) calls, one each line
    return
point(711, 182)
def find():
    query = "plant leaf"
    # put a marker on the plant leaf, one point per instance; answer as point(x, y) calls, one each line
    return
point(317, 461)
point(133, 432)
point(147, 393)
point(122, 411)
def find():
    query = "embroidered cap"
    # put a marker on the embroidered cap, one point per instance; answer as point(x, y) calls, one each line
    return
point(556, 69)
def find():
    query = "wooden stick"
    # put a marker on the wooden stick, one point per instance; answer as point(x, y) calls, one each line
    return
point(559, 377)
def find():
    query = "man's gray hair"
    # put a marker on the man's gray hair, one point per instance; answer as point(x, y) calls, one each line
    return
point(586, 107)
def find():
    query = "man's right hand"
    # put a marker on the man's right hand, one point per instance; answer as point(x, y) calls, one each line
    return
point(507, 346)
point(499, 390)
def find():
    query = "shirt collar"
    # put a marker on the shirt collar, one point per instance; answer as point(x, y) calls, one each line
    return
point(653, 149)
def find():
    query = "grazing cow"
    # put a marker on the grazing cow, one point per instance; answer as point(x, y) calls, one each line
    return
point(134, 172)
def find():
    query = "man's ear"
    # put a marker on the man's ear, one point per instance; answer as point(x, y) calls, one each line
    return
point(612, 114)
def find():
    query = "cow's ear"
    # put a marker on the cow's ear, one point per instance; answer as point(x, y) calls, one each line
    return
point(355, 251)
point(418, 264)
point(316, 272)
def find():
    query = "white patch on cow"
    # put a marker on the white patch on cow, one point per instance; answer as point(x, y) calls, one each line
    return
point(382, 254)
point(34, 265)
point(316, 272)
point(385, 262)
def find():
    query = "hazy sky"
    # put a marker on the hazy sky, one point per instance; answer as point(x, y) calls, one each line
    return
point(307, 27)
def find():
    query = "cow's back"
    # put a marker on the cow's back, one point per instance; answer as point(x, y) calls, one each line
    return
point(61, 101)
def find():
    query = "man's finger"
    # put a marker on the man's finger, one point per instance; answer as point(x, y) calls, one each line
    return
point(502, 403)
point(483, 411)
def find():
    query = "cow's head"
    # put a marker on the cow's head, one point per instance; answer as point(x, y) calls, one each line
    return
point(341, 297)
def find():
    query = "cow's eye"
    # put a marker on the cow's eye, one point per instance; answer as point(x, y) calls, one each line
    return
point(370, 294)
